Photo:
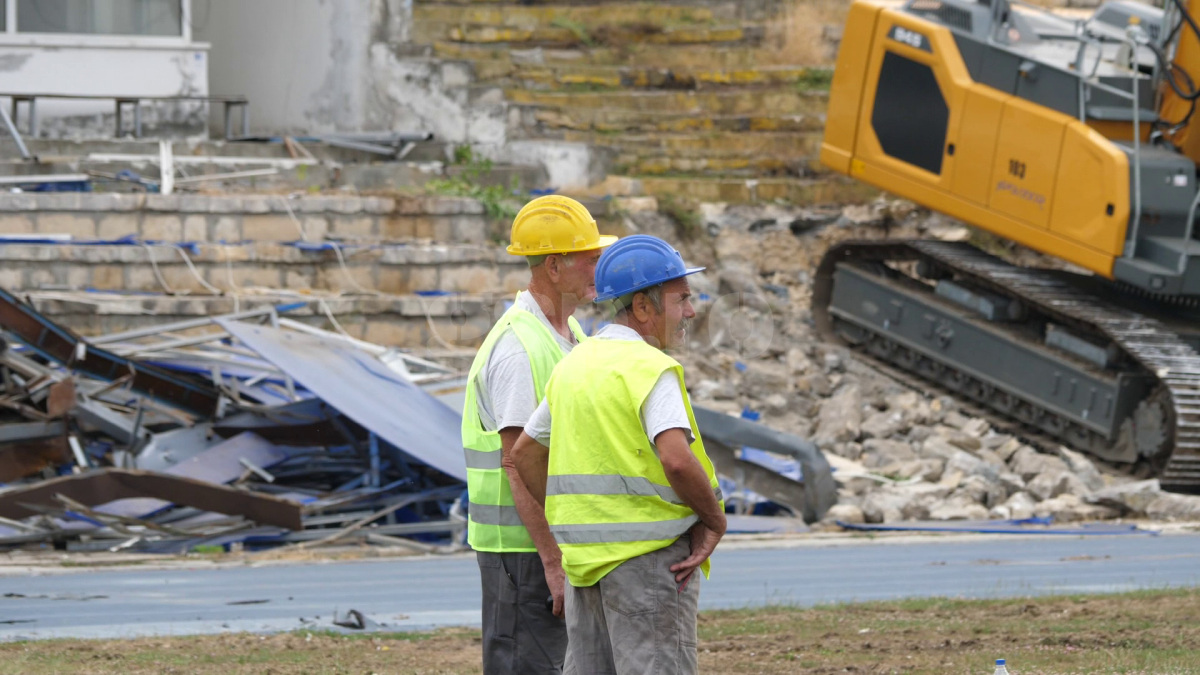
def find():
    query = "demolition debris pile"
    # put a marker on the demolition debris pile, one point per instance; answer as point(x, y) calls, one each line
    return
point(899, 451)
point(222, 431)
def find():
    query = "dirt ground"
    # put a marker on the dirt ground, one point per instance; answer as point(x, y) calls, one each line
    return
point(1145, 632)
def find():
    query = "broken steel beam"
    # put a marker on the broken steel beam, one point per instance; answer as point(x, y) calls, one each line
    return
point(63, 346)
point(100, 487)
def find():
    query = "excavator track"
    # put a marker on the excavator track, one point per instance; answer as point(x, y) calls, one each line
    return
point(1161, 435)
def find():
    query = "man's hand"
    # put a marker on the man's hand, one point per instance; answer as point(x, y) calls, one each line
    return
point(704, 542)
point(556, 580)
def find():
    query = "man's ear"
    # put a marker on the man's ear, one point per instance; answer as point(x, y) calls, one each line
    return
point(640, 306)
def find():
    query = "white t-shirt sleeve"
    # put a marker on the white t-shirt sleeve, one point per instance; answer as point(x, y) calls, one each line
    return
point(664, 408)
point(507, 397)
point(538, 427)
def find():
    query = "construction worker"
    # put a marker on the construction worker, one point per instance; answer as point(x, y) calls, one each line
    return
point(519, 563)
point(614, 455)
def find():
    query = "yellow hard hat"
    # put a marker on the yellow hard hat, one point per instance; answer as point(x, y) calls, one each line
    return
point(555, 224)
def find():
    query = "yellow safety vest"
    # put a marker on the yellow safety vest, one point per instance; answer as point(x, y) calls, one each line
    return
point(607, 498)
point(492, 521)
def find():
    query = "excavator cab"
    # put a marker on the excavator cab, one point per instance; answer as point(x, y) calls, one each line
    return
point(1039, 128)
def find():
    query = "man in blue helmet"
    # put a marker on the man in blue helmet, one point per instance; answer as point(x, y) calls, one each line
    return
point(614, 454)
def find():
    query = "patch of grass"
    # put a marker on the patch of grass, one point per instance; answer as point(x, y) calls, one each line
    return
point(1142, 632)
point(815, 79)
point(100, 563)
point(577, 29)
point(208, 549)
point(496, 199)
point(338, 635)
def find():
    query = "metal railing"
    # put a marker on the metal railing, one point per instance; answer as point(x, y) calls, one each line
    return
point(238, 104)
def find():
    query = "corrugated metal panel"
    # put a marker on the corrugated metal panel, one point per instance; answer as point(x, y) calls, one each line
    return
point(366, 391)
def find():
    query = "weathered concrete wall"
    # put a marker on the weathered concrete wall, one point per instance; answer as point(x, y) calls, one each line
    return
point(238, 218)
point(301, 62)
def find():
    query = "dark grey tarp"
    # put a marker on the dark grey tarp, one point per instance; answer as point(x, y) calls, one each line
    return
point(819, 491)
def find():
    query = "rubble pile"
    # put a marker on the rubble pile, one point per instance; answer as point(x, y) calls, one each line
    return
point(899, 452)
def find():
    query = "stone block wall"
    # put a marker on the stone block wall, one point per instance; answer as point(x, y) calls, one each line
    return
point(253, 267)
point(242, 218)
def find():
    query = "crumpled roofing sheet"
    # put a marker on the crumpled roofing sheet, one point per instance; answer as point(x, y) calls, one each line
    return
point(366, 391)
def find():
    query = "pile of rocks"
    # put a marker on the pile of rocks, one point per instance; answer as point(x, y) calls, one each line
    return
point(899, 451)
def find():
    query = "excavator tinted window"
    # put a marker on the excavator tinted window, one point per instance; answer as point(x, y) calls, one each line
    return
point(910, 114)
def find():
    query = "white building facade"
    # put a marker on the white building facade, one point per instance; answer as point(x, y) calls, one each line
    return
point(105, 48)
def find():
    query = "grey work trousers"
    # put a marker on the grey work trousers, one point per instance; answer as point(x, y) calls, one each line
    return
point(635, 620)
point(521, 636)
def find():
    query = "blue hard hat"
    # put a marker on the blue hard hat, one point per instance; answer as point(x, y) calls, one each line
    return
point(635, 263)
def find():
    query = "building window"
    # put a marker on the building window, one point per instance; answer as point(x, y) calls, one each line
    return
point(100, 17)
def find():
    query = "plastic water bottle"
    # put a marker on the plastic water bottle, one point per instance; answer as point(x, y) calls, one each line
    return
point(1000, 669)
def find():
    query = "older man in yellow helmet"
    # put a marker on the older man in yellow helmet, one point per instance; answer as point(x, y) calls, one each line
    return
point(520, 564)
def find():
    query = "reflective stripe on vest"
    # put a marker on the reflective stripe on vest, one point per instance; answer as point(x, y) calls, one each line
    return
point(607, 497)
point(613, 485)
point(493, 522)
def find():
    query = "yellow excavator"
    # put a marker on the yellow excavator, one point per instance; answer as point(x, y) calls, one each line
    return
point(1071, 135)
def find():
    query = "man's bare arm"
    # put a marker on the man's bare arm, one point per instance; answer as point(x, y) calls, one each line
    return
point(687, 478)
point(533, 515)
point(532, 460)
point(531, 509)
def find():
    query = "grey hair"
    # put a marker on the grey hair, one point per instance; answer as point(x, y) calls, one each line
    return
point(535, 260)
point(622, 304)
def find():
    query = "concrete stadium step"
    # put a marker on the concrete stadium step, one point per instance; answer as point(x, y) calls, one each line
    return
point(657, 77)
point(832, 190)
point(716, 144)
point(234, 218)
point(405, 321)
point(207, 269)
point(725, 102)
point(584, 15)
point(611, 34)
point(618, 121)
point(498, 61)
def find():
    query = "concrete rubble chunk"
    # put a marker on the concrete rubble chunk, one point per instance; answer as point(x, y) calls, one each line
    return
point(970, 465)
point(1011, 482)
point(878, 452)
point(798, 361)
point(1169, 506)
point(1020, 505)
point(892, 503)
point(936, 446)
point(705, 390)
point(883, 424)
point(1069, 508)
point(1007, 448)
point(846, 513)
point(955, 419)
point(840, 418)
point(1027, 463)
point(982, 491)
point(958, 507)
point(1134, 497)
point(1083, 467)
point(1054, 483)
point(976, 427)
point(958, 438)
point(763, 378)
